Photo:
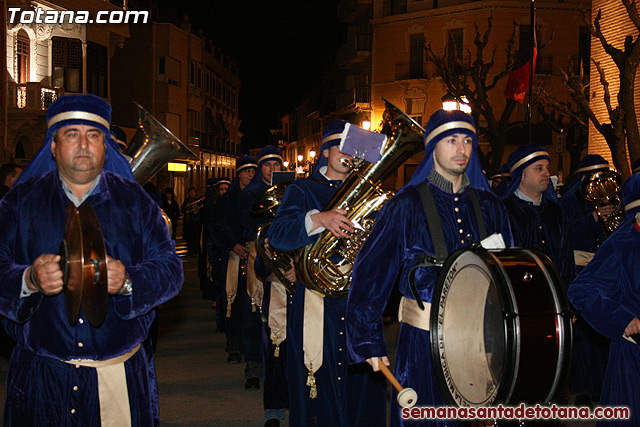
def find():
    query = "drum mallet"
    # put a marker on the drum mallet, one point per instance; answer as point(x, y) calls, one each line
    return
point(407, 397)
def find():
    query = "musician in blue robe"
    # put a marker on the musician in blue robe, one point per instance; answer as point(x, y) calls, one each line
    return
point(585, 234)
point(400, 237)
point(225, 229)
point(607, 292)
point(59, 372)
point(535, 216)
point(323, 388)
point(269, 161)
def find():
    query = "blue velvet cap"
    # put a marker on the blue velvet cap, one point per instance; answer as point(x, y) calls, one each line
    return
point(521, 158)
point(444, 123)
point(267, 153)
point(119, 136)
point(588, 165)
point(331, 136)
point(223, 180)
point(631, 196)
point(88, 110)
point(245, 162)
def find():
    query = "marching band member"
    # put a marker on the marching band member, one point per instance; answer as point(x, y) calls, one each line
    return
point(607, 292)
point(323, 389)
point(585, 235)
point(64, 374)
point(400, 237)
point(531, 202)
point(225, 229)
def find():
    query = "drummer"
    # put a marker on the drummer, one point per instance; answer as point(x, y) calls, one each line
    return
point(535, 216)
point(400, 239)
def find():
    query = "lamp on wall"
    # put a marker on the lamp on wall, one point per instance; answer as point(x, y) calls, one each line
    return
point(450, 102)
point(366, 125)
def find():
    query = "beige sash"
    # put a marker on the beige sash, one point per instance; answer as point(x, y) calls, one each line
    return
point(233, 267)
point(277, 313)
point(313, 336)
point(583, 257)
point(254, 285)
point(410, 313)
point(112, 388)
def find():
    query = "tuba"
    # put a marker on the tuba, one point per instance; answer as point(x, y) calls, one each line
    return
point(278, 261)
point(603, 188)
point(152, 147)
point(362, 197)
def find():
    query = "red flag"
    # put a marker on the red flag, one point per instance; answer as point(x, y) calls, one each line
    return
point(518, 81)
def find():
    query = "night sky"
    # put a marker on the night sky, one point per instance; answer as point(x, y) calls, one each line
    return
point(281, 48)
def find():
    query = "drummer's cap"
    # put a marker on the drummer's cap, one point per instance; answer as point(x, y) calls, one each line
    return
point(87, 110)
point(222, 180)
point(495, 174)
point(519, 160)
point(631, 196)
point(266, 154)
point(443, 123)
point(245, 162)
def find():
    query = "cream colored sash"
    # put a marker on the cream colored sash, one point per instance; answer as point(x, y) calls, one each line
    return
point(277, 313)
point(112, 388)
point(233, 267)
point(313, 336)
point(254, 285)
point(410, 313)
point(583, 257)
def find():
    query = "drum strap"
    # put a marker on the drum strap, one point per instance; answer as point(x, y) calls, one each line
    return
point(437, 235)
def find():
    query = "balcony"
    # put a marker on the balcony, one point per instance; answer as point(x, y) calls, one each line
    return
point(33, 97)
point(356, 50)
point(358, 97)
point(350, 10)
point(411, 71)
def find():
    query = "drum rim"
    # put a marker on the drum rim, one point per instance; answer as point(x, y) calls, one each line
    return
point(511, 325)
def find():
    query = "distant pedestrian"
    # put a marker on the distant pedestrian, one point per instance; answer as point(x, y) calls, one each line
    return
point(171, 208)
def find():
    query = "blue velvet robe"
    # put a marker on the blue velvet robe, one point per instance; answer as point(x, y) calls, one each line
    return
point(590, 349)
point(39, 385)
point(225, 229)
point(607, 292)
point(347, 395)
point(542, 227)
point(399, 237)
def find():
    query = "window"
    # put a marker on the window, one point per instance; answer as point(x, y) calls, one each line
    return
point(169, 70)
point(22, 57)
point(394, 7)
point(97, 64)
point(416, 56)
point(415, 108)
point(455, 39)
point(67, 64)
point(162, 66)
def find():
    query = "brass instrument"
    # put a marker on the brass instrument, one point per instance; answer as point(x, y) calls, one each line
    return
point(362, 197)
point(194, 206)
point(603, 188)
point(151, 148)
point(278, 261)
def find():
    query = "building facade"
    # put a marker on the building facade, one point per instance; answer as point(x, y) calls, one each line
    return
point(44, 61)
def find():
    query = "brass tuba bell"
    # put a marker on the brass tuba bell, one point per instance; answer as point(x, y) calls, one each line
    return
point(362, 197)
point(278, 261)
point(603, 188)
point(152, 147)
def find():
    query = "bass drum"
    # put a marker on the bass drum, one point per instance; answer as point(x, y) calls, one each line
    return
point(501, 328)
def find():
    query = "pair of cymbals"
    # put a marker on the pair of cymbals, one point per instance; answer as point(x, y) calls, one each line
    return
point(84, 265)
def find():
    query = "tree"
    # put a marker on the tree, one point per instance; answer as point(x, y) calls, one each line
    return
point(469, 78)
point(621, 133)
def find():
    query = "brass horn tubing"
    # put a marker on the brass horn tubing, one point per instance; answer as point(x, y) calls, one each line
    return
point(273, 260)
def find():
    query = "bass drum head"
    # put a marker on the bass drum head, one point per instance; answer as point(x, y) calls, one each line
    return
point(470, 343)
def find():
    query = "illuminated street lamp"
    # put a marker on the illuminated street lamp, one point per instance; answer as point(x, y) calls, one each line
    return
point(450, 102)
point(285, 163)
point(300, 158)
point(366, 125)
